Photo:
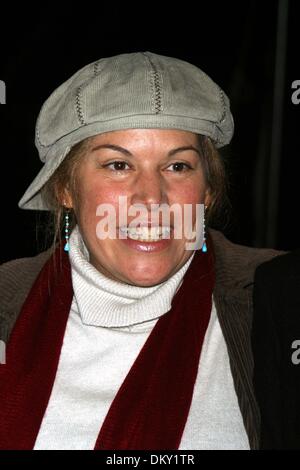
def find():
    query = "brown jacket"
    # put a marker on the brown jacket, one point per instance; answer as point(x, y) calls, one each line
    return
point(235, 268)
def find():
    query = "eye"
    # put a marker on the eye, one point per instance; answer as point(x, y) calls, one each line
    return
point(179, 167)
point(116, 166)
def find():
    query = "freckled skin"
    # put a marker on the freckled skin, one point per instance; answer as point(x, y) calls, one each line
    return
point(148, 176)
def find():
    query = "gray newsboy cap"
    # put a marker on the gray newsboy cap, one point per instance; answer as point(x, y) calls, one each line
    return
point(137, 90)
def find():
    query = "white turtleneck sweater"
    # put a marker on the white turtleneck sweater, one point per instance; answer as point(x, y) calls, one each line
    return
point(108, 324)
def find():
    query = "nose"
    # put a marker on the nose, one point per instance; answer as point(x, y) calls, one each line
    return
point(149, 188)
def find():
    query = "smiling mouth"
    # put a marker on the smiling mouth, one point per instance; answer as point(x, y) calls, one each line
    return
point(146, 234)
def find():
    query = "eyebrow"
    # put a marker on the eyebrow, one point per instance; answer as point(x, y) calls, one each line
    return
point(126, 152)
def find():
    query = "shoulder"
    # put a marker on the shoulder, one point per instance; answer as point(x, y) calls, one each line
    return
point(16, 280)
point(236, 264)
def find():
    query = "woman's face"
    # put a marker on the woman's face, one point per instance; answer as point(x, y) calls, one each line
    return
point(145, 167)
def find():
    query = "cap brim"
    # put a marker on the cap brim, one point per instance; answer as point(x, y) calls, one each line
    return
point(32, 198)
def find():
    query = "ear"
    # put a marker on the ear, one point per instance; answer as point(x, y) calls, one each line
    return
point(208, 198)
point(66, 199)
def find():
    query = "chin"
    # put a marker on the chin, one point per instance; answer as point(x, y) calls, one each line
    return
point(146, 279)
point(145, 282)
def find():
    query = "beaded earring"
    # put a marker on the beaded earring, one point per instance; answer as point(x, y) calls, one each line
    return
point(67, 224)
point(204, 246)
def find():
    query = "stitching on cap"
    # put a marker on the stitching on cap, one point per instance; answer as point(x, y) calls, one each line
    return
point(96, 67)
point(79, 106)
point(222, 98)
point(156, 87)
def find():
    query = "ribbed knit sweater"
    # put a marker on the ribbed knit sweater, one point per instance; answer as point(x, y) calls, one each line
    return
point(108, 324)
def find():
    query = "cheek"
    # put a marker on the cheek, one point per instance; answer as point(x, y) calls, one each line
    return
point(191, 192)
point(187, 195)
point(93, 192)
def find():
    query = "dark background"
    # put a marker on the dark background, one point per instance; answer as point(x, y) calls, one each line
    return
point(247, 47)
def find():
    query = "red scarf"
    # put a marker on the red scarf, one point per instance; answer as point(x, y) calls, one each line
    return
point(151, 407)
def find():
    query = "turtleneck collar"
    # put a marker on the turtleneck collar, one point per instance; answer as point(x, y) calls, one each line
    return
point(104, 302)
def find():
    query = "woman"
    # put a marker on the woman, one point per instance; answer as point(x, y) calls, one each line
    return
point(276, 348)
point(134, 337)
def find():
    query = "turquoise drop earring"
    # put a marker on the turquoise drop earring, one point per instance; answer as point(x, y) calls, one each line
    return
point(204, 246)
point(67, 225)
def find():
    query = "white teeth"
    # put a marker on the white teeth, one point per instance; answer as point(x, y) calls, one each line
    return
point(146, 233)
